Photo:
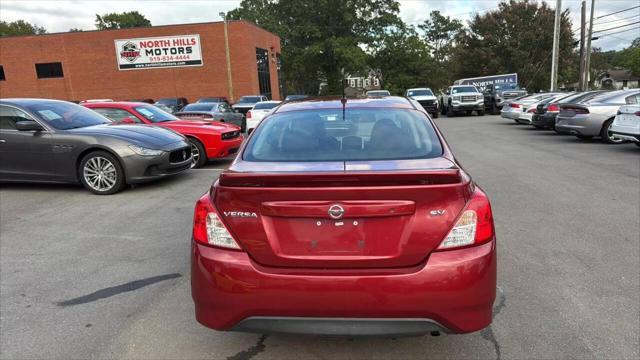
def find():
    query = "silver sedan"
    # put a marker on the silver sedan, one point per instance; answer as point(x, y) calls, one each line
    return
point(594, 118)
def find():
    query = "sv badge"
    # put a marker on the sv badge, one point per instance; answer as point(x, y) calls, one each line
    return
point(438, 212)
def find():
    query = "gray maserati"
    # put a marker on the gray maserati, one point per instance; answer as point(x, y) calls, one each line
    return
point(57, 141)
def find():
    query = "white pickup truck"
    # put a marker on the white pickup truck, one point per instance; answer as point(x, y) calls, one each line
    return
point(458, 98)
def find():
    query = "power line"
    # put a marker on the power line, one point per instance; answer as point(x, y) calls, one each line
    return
point(613, 21)
point(618, 32)
point(617, 27)
point(617, 12)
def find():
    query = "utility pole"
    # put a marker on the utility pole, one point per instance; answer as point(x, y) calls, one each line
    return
point(587, 73)
point(226, 48)
point(556, 47)
point(583, 25)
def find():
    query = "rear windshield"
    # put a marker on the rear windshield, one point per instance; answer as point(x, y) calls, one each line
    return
point(249, 99)
point(362, 134)
point(378, 93)
point(168, 101)
point(265, 106)
point(210, 100)
point(200, 107)
point(464, 89)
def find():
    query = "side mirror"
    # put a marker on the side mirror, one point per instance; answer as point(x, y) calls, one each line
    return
point(28, 125)
point(127, 120)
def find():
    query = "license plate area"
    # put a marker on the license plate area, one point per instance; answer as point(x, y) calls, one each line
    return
point(321, 237)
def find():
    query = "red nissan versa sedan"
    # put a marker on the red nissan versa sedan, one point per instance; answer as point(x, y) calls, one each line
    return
point(209, 140)
point(344, 218)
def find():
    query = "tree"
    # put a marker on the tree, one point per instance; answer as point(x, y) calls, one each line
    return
point(130, 19)
point(440, 33)
point(324, 39)
point(20, 27)
point(517, 37)
point(402, 60)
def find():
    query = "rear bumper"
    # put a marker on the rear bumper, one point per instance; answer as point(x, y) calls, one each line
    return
point(626, 136)
point(453, 291)
point(585, 125)
point(546, 120)
point(513, 115)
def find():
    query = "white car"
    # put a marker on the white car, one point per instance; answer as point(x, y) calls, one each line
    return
point(465, 98)
point(258, 112)
point(426, 98)
point(519, 107)
point(626, 124)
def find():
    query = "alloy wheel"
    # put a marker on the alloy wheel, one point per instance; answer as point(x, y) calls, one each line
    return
point(100, 173)
point(195, 155)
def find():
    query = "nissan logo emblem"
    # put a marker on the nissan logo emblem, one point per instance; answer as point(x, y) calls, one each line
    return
point(336, 211)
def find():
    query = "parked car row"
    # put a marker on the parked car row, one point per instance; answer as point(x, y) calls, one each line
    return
point(612, 116)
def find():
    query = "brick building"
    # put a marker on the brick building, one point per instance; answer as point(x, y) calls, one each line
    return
point(162, 61)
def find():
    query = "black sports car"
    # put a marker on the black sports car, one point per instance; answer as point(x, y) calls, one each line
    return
point(58, 141)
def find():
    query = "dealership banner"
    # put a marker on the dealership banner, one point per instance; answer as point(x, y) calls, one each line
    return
point(158, 52)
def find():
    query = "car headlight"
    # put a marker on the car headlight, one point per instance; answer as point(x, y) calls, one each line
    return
point(144, 151)
point(479, 97)
point(456, 98)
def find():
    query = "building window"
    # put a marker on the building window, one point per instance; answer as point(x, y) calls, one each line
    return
point(264, 76)
point(2, 78)
point(49, 70)
point(353, 83)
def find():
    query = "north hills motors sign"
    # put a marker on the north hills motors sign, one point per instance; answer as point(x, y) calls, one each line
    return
point(158, 52)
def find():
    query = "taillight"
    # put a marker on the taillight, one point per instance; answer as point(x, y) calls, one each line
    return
point(248, 114)
point(474, 226)
point(207, 227)
point(514, 105)
point(553, 108)
point(532, 110)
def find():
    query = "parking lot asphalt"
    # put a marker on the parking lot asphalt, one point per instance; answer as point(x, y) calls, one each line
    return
point(85, 276)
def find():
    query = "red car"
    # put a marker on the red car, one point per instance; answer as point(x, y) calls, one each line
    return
point(344, 217)
point(209, 140)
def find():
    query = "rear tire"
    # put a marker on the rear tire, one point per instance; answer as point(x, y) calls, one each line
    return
point(435, 115)
point(101, 173)
point(450, 112)
point(606, 135)
point(494, 109)
point(243, 125)
point(480, 112)
point(198, 154)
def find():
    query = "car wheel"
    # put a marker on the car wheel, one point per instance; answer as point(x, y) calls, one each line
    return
point(637, 144)
point(198, 154)
point(469, 112)
point(494, 109)
point(584, 137)
point(101, 173)
point(539, 127)
point(435, 115)
point(606, 134)
point(481, 113)
point(450, 111)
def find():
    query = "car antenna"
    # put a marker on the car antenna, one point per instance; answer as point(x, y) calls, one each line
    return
point(343, 99)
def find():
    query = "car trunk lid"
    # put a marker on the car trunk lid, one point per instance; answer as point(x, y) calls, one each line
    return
point(380, 214)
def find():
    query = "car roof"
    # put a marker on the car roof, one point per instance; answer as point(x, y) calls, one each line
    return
point(29, 101)
point(117, 104)
point(334, 102)
point(422, 88)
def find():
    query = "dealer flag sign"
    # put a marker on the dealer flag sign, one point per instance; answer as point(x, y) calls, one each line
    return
point(158, 52)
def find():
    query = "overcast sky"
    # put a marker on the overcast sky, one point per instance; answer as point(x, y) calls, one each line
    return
point(61, 15)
